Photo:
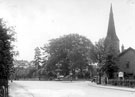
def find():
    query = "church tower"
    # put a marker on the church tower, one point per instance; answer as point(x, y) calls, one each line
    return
point(111, 40)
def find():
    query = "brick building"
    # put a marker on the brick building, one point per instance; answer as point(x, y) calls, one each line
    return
point(127, 62)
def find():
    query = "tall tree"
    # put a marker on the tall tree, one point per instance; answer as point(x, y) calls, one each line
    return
point(110, 67)
point(71, 51)
point(37, 61)
point(98, 56)
point(6, 50)
point(37, 57)
point(98, 52)
point(106, 62)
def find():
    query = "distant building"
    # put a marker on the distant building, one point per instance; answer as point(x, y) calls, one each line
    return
point(126, 57)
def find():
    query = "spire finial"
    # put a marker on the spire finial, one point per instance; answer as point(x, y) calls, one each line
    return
point(111, 27)
point(111, 10)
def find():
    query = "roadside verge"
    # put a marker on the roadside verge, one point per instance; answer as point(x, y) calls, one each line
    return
point(112, 87)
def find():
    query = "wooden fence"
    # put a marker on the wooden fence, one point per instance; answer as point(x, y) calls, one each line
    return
point(126, 83)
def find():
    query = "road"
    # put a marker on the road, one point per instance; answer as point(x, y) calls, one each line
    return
point(63, 89)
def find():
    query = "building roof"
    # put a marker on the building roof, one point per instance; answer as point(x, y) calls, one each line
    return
point(125, 51)
point(111, 33)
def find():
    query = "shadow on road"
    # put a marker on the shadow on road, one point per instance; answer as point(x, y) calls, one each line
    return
point(16, 90)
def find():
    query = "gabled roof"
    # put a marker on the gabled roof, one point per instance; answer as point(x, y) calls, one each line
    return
point(125, 51)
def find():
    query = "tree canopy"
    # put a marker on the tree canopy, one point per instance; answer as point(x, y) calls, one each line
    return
point(6, 50)
point(37, 57)
point(71, 51)
point(106, 62)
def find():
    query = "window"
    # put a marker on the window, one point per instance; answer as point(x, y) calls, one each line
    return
point(127, 64)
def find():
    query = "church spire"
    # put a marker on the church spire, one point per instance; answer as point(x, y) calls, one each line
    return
point(111, 26)
point(111, 40)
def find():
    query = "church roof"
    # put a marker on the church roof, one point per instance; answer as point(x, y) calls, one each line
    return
point(125, 51)
point(111, 33)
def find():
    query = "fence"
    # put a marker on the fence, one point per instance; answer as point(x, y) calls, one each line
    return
point(126, 83)
point(3, 88)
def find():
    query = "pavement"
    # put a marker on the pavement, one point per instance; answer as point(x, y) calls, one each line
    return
point(128, 89)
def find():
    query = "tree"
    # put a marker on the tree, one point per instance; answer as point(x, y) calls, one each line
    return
point(98, 52)
point(31, 71)
point(111, 59)
point(23, 69)
point(6, 50)
point(71, 51)
point(37, 60)
point(98, 56)
point(106, 61)
point(110, 66)
point(37, 57)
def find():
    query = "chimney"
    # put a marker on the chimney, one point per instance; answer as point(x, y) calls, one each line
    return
point(122, 48)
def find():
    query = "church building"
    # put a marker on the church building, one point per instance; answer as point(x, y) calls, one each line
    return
point(111, 41)
point(126, 58)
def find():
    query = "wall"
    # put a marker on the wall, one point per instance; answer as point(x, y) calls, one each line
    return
point(123, 59)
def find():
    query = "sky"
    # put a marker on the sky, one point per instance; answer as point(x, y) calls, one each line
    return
point(38, 21)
